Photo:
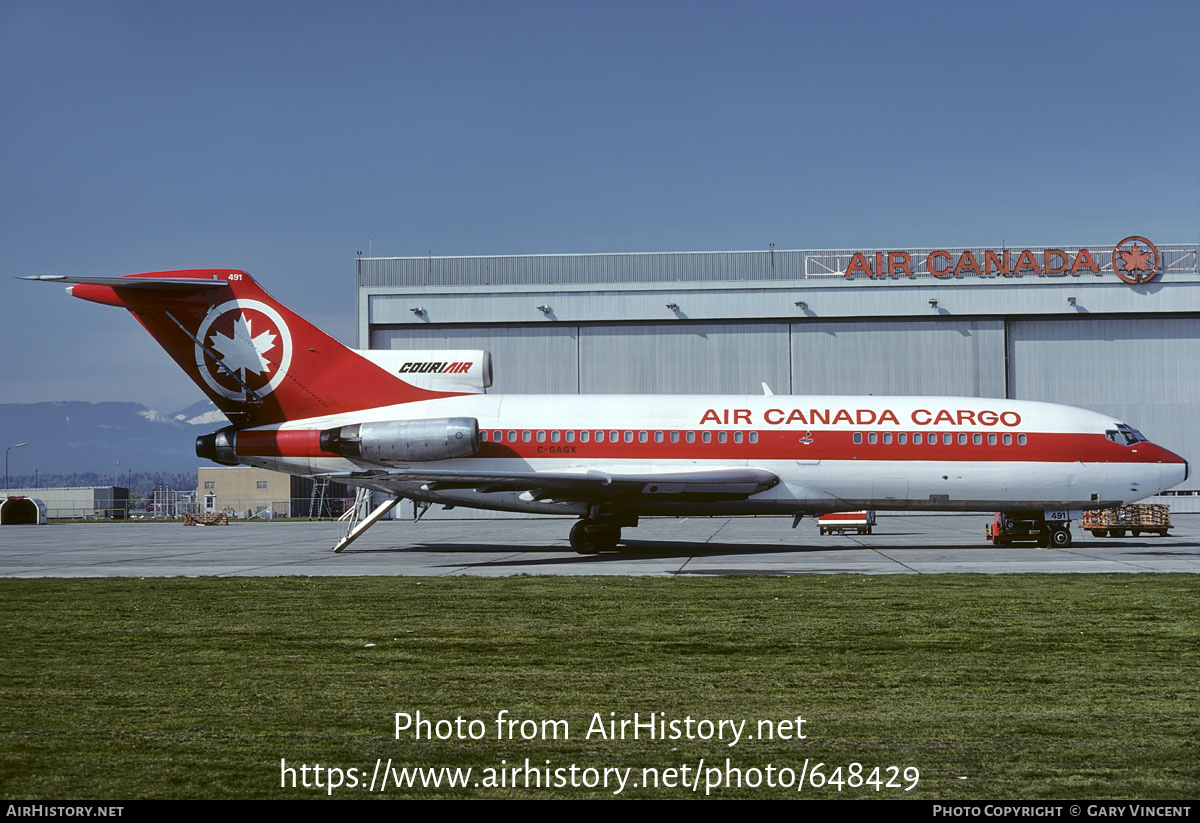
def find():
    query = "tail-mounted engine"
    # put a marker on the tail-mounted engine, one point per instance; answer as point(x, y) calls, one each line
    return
point(219, 447)
point(404, 441)
point(383, 443)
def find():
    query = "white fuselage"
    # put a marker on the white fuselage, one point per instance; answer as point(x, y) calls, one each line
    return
point(829, 453)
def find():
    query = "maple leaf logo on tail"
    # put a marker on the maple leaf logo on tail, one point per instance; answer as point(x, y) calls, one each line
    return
point(243, 350)
point(1135, 260)
point(243, 353)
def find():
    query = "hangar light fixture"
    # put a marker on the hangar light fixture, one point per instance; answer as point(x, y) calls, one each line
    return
point(673, 306)
point(544, 309)
point(933, 303)
point(800, 304)
point(1071, 301)
point(417, 310)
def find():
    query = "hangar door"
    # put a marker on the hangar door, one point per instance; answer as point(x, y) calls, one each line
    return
point(963, 358)
point(1141, 370)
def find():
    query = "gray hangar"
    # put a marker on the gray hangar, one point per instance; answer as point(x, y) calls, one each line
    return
point(1112, 326)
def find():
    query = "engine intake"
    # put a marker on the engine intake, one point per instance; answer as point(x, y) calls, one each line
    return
point(219, 447)
point(404, 441)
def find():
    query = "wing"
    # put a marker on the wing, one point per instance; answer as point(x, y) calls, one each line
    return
point(710, 484)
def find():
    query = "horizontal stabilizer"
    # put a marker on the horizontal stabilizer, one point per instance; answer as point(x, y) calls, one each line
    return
point(146, 283)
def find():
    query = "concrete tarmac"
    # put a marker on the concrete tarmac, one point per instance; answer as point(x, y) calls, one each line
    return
point(934, 544)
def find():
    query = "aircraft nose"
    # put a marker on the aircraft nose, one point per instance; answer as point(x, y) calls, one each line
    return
point(1177, 472)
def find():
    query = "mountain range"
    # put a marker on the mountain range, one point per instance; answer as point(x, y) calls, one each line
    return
point(111, 440)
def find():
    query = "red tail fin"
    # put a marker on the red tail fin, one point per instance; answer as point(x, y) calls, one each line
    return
point(258, 361)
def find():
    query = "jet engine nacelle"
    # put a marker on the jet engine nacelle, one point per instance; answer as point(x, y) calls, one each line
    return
point(404, 441)
point(219, 447)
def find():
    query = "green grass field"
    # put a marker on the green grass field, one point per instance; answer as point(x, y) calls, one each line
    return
point(1006, 686)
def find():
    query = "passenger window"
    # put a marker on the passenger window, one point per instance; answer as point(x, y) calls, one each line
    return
point(977, 439)
point(691, 437)
point(962, 439)
point(1007, 439)
point(947, 439)
point(526, 436)
point(917, 438)
point(1021, 440)
point(570, 436)
point(483, 436)
point(887, 438)
point(584, 436)
point(753, 437)
point(722, 437)
point(541, 436)
point(872, 438)
point(857, 438)
point(658, 437)
point(706, 437)
point(628, 437)
point(512, 436)
point(674, 437)
point(614, 437)
point(643, 437)
point(737, 437)
point(902, 438)
point(992, 439)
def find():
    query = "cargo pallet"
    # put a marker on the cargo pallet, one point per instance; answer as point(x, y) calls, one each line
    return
point(1139, 519)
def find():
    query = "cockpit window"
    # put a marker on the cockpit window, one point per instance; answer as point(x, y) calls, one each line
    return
point(1125, 435)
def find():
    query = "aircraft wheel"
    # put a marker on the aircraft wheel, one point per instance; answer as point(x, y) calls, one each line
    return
point(590, 537)
point(606, 537)
point(1060, 538)
point(582, 540)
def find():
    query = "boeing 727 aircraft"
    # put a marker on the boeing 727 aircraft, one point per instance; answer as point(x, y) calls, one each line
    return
point(419, 424)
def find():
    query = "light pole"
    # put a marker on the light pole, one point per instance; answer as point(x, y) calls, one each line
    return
point(6, 451)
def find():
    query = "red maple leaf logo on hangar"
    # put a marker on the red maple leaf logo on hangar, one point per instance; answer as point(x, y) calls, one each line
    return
point(1135, 260)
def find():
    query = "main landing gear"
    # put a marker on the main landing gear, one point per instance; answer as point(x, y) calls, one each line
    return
point(599, 532)
point(591, 537)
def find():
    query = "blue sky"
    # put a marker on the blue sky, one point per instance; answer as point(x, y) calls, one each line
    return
point(282, 137)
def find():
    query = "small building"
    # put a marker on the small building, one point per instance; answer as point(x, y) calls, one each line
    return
point(81, 502)
point(246, 492)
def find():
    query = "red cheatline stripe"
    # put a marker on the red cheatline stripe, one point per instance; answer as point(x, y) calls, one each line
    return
point(771, 445)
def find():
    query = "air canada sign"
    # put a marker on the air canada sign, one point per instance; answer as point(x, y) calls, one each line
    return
point(1135, 260)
